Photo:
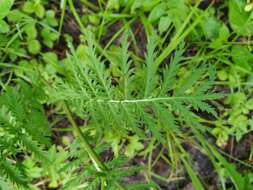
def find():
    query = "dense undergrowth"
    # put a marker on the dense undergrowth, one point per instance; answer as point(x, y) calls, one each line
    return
point(125, 94)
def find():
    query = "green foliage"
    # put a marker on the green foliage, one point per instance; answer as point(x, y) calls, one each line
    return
point(23, 125)
point(152, 98)
point(239, 19)
point(27, 28)
point(165, 11)
point(137, 103)
point(90, 178)
point(34, 46)
point(4, 10)
point(237, 119)
point(138, 98)
point(242, 57)
point(34, 7)
point(5, 7)
point(164, 23)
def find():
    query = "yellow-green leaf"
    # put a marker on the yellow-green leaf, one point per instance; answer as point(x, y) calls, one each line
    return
point(5, 6)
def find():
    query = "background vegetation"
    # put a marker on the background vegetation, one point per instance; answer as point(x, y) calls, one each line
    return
point(126, 94)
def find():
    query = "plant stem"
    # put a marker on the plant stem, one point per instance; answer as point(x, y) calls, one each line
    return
point(63, 9)
point(90, 5)
point(180, 34)
point(74, 12)
point(99, 165)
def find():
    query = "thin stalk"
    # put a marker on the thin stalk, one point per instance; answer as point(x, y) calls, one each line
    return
point(180, 34)
point(99, 165)
point(89, 5)
point(169, 180)
point(82, 28)
point(74, 12)
point(103, 183)
point(158, 99)
point(63, 9)
point(147, 173)
point(127, 24)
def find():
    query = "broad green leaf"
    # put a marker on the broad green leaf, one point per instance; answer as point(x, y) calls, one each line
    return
point(242, 57)
point(222, 74)
point(179, 11)
point(249, 104)
point(211, 27)
point(49, 37)
point(34, 46)
point(223, 37)
point(239, 19)
point(113, 4)
point(114, 140)
point(136, 5)
point(28, 7)
point(164, 23)
point(15, 15)
point(30, 30)
point(50, 18)
point(157, 12)
point(39, 10)
point(4, 27)
point(144, 5)
point(133, 146)
point(224, 32)
point(240, 125)
point(149, 5)
point(5, 6)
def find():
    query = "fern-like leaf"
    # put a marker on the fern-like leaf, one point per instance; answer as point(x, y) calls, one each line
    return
point(22, 126)
point(12, 172)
